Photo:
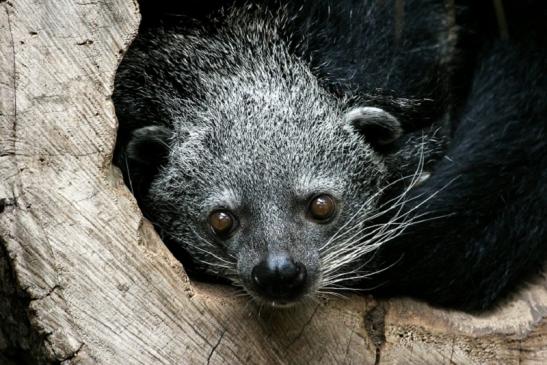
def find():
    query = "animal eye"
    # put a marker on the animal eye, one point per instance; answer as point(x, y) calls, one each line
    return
point(222, 222)
point(322, 207)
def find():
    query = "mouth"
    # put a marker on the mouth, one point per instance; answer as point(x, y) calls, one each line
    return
point(277, 303)
point(283, 305)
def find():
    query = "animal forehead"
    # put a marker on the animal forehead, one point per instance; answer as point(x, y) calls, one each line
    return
point(272, 155)
point(254, 153)
point(264, 135)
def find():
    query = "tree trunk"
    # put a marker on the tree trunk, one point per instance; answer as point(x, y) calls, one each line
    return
point(84, 279)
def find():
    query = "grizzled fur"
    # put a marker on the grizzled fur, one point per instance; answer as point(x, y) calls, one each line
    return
point(259, 108)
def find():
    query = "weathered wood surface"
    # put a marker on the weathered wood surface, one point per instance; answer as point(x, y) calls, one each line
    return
point(84, 279)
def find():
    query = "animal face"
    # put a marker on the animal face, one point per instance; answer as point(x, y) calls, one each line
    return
point(264, 172)
point(273, 200)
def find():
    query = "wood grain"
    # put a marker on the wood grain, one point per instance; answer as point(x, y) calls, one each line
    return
point(85, 279)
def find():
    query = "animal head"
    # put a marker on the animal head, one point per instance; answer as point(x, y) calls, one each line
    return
point(272, 198)
point(259, 173)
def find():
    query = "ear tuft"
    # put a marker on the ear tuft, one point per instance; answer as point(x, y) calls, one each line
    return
point(149, 146)
point(379, 127)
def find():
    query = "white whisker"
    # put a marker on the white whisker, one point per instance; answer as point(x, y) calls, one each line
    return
point(351, 243)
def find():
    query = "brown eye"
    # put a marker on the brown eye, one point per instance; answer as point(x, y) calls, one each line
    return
point(222, 222)
point(322, 207)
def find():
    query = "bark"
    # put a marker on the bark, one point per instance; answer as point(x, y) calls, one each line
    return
point(84, 279)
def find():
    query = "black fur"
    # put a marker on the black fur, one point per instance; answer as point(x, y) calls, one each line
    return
point(496, 203)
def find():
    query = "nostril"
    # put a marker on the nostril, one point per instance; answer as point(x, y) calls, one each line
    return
point(264, 274)
point(279, 276)
point(259, 275)
point(299, 275)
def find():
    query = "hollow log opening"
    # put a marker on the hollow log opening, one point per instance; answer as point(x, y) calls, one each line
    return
point(85, 279)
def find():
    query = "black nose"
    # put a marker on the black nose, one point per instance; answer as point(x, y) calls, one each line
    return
point(279, 277)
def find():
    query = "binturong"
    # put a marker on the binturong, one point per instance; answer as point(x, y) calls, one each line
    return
point(245, 159)
point(262, 168)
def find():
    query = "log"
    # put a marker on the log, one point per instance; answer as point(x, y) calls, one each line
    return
point(84, 279)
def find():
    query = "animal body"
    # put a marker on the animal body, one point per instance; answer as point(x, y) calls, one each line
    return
point(304, 147)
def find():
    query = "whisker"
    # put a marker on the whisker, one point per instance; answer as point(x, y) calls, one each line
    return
point(347, 276)
point(337, 234)
point(364, 241)
point(208, 252)
point(414, 179)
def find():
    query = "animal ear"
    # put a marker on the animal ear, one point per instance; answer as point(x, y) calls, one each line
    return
point(145, 152)
point(148, 146)
point(379, 127)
